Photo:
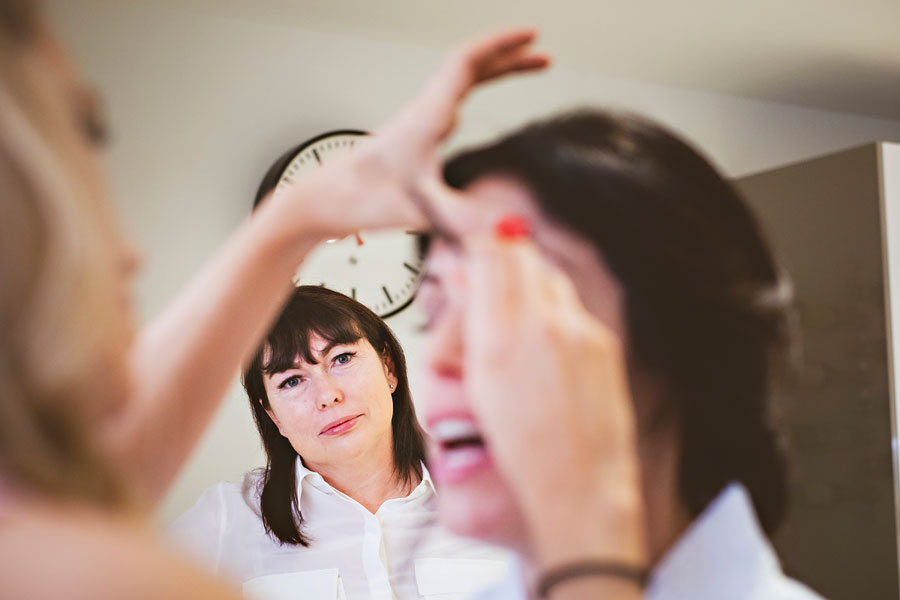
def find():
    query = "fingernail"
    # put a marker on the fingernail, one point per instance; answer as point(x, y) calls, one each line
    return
point(512, 228)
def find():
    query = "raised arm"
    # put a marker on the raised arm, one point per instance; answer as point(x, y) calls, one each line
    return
point(184, 361)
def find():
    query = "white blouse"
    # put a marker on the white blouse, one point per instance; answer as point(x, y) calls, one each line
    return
point(723, 555)
point(399, 552)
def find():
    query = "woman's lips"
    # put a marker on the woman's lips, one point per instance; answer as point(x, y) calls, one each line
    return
point(454, 465)
point(340, 426)
point(458, 450)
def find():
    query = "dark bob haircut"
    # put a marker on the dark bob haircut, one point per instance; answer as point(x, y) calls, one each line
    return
point(338, 319)
point(705, 305)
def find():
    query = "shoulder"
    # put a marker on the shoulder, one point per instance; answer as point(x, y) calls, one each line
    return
point(785, 588)
point(93, 555)
point(222, 498)
point(202, 529)
point(724, 553)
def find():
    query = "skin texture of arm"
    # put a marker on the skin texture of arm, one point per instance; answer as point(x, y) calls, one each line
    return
point(185, 360)
point(88, 555)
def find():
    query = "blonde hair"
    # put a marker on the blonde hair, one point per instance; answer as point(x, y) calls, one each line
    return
point(55, 292)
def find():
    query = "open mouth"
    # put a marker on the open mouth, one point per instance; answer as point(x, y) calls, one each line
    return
point(461, 448)
point(454, 434)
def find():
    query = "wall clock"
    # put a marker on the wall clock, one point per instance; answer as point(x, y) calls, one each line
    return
point(381, 269)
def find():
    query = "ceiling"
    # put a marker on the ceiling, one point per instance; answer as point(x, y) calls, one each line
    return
point(831, 54)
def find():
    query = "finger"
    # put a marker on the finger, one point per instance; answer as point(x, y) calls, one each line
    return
point(491, 45)
point(532, 62)
point(561, 297)
point(503, 279)
point(492, 320)
point(502, 40)
point(483, 59)
point(498, 45)
point(519, 60)
point(498, 272)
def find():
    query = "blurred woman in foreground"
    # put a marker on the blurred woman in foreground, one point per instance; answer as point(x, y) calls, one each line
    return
point(603, 319)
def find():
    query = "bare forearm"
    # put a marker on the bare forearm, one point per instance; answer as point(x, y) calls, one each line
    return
point(597, 588)
point(185, 360)
point(594, 532)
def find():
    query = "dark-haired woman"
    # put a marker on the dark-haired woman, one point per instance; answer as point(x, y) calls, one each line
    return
point(603, 313)
point(345, 506)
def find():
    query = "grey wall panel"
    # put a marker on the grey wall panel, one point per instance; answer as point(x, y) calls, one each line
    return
point(823, 218)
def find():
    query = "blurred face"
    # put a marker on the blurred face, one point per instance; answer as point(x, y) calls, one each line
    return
point(66, 114)
point(474, 501)
point(338, 409)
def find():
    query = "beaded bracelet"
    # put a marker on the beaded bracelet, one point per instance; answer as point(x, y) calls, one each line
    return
point(590, 568)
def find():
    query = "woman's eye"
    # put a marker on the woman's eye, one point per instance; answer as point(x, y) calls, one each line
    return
point(289, 383)
point(343, 359)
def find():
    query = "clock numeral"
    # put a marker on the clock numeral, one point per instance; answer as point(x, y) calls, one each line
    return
point(411, 268)
point(353, 293)
point(316, 154)
point(390, 300)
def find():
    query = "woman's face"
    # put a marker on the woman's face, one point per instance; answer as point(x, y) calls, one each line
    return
point(338, 409)
point(474, 501)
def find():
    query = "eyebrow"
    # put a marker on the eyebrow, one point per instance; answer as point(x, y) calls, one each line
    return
point(328, 348)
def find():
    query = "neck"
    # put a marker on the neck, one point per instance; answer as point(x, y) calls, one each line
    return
point(368, 478)
point(667, 517)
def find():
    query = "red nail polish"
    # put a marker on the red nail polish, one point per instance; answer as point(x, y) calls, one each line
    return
point(513, 227)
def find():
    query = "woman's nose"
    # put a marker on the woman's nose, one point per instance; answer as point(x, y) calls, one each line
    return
point(445, 346)
point(329, 393)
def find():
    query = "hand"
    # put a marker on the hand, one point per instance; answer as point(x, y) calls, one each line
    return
point(548, 384)
point(375, 186)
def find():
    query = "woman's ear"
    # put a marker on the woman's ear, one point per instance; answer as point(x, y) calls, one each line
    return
point(389, 371)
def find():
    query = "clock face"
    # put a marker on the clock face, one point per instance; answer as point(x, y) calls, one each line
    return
point(381, 269)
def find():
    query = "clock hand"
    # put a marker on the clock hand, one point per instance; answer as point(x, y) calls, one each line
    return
point(359, 240)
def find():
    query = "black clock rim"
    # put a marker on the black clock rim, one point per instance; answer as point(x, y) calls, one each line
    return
point(402, 306)
point(276, 171)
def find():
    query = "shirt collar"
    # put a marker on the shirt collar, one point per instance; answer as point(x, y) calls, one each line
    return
point(427, 481)
point(425, 486)
point(722, 554)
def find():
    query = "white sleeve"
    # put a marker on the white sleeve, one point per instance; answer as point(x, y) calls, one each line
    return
point(200, 530)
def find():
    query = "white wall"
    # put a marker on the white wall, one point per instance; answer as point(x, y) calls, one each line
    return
point(201, 105)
